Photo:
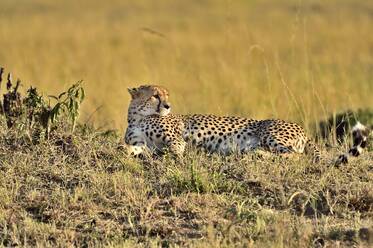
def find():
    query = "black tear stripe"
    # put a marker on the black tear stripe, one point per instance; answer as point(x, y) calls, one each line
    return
point(159, 105)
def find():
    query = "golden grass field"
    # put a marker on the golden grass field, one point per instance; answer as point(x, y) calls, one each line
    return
point(296, 60)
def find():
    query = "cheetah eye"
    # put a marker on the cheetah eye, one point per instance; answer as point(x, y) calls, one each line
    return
point(157, 96)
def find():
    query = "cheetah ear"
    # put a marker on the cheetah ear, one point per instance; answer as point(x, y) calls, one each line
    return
point(132, 91)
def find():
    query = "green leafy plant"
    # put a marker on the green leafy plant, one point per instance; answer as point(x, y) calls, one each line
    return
point(68, 104)
point(34, 114)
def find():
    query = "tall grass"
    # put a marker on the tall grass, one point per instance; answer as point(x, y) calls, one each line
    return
point(296, 60)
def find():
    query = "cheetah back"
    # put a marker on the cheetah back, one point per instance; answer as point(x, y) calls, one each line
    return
point(228, 134)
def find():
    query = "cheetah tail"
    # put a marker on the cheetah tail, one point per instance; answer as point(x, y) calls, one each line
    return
point(360, 135)
point(312, 149)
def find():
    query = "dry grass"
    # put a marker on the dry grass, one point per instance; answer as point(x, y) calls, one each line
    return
point(296, 60)
point(72, 190)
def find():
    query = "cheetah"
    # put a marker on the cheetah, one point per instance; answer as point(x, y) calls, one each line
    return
point(152, 127)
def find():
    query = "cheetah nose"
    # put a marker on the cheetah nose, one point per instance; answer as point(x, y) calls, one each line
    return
point(166, 106)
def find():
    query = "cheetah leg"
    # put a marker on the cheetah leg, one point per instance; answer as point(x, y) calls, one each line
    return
point(281, 150)
point(263, 153)
point(136, 150)
point(278, 149)
point(177, 147)
point(267, 154)
point(136, 143)
point(310, 148)
point(291, 155)
point(286, 153)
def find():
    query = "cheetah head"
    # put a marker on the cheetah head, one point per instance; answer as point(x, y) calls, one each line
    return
point(149, 100)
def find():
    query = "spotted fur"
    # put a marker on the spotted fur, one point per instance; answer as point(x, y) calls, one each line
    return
point(224, 135)
point(230, 134)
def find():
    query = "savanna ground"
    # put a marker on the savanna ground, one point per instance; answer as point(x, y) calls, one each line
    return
point(295, 60)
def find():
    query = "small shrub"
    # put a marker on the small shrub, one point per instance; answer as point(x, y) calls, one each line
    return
point(34, 114)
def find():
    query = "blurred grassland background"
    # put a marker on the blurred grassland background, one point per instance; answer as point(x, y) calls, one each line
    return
point(296, 60)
